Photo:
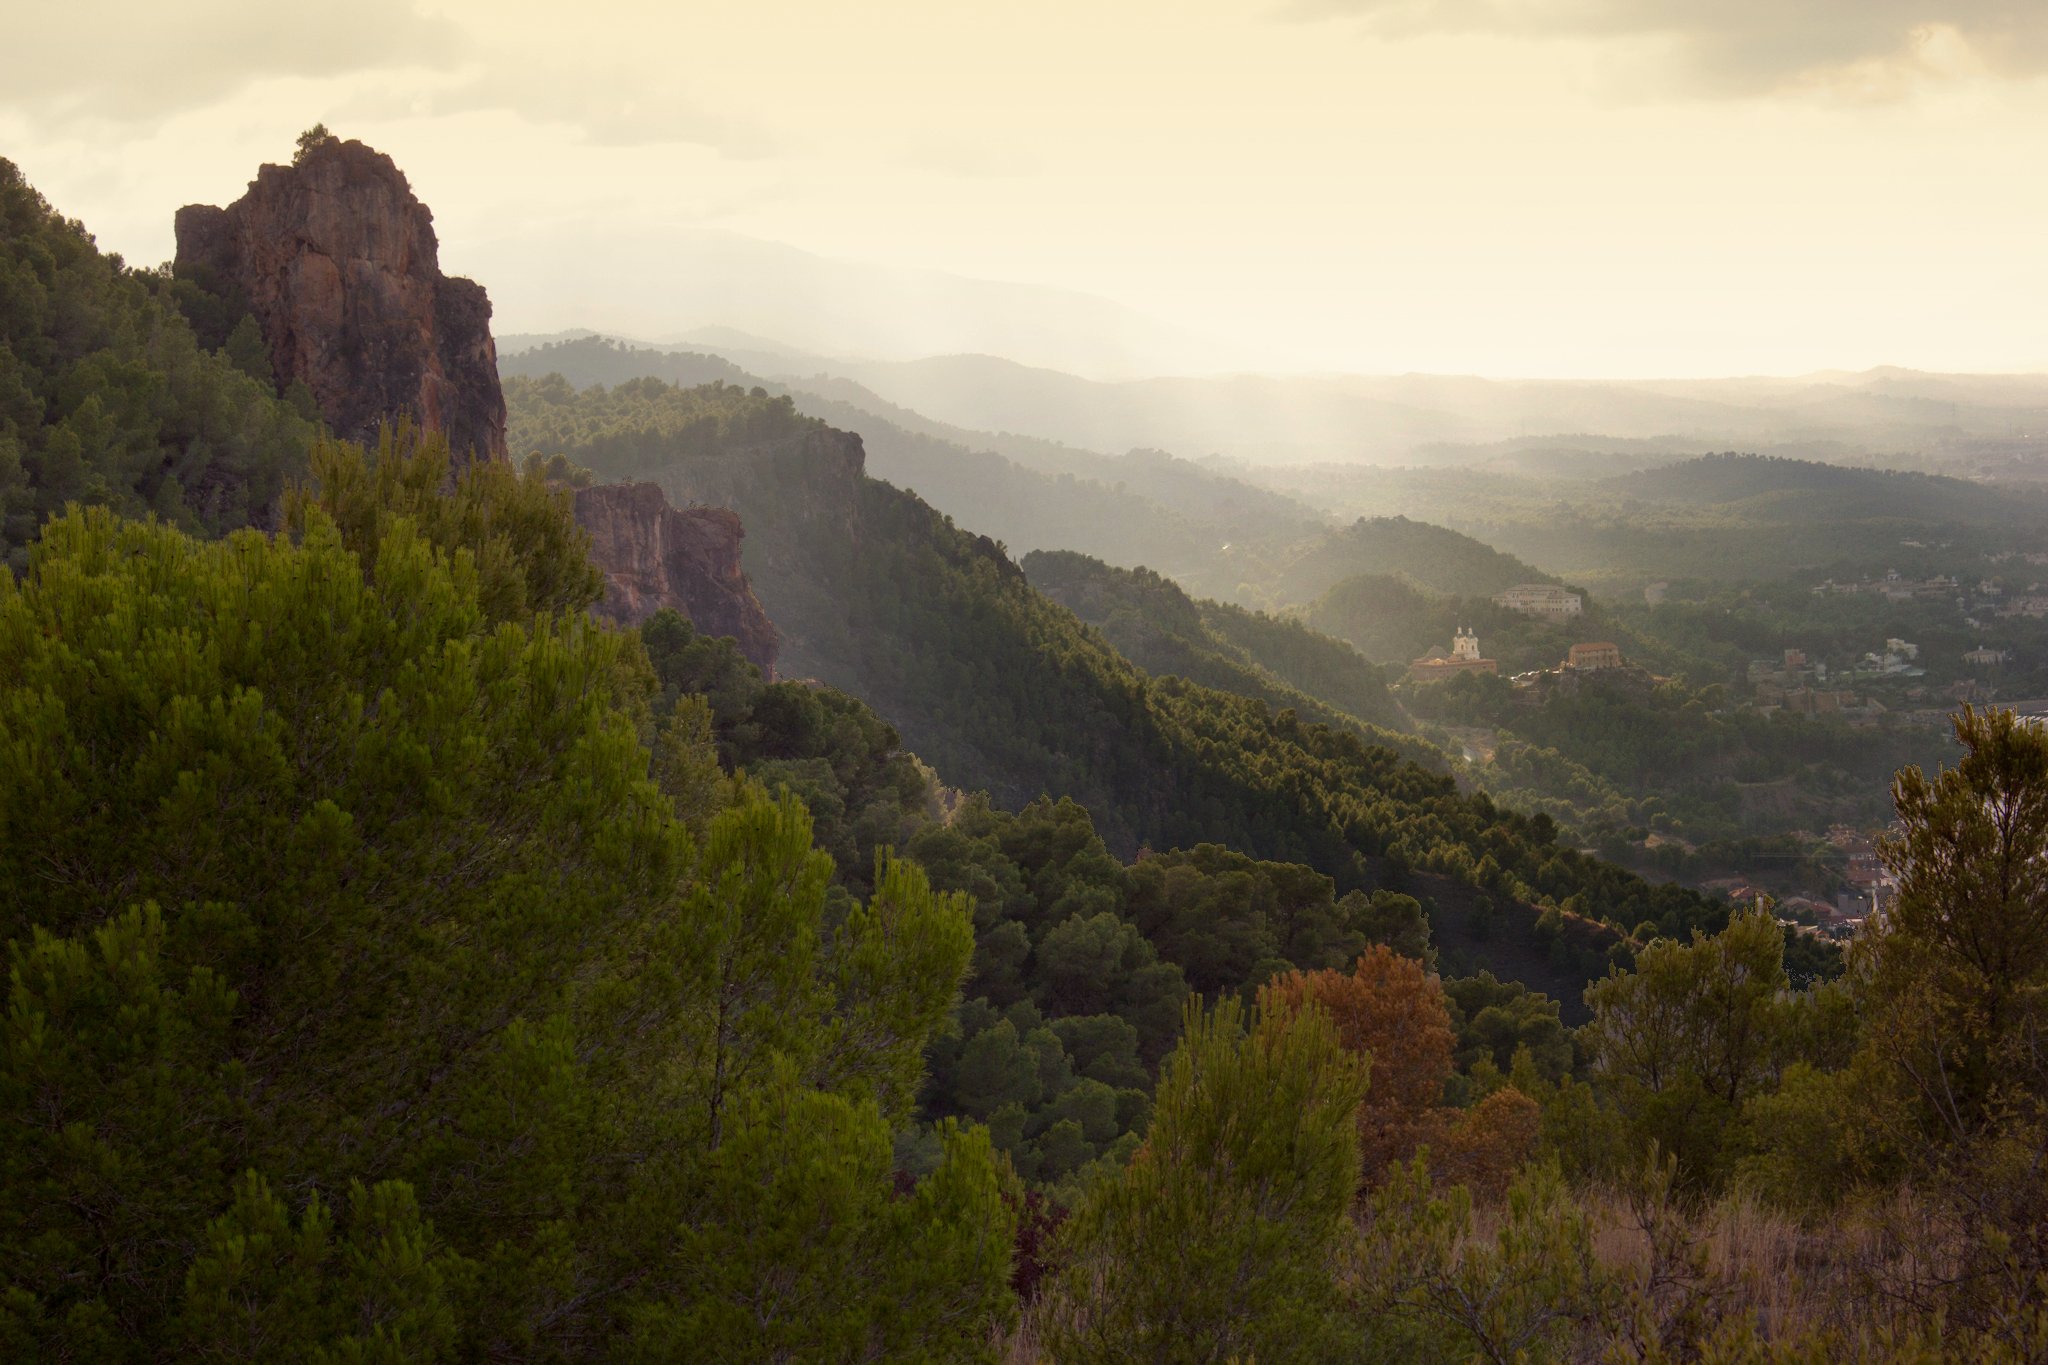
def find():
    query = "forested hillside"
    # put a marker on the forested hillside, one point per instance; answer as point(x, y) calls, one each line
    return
point(1161, 629)
point(1434, 558)
point(1658, 766)
point(1001, 689)
point(106, 397)
point(1779, 488)
point(1082, 963)
point(1667, 778)
point(465, 994)
point(1142, 508)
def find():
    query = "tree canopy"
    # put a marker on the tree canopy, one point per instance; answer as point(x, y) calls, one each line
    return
point(370, 999)
point(107, 397)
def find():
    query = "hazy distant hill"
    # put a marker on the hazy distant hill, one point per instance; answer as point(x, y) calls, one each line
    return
point(1810, 490)
point(1432, 557)
point(585, 358)
point(1717, 517)
point(1610, 512)
point(1202, 528)
point(1196, 489)
point(1895, 415)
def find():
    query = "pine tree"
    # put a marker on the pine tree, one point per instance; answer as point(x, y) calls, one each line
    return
point(1224, 1238)
point(369, 1000)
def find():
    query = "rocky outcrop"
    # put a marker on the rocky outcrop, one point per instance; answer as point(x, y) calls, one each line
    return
point(654, 556)
point(338, 262)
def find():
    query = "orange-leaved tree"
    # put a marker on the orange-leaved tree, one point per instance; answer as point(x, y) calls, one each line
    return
point(1392, 1010)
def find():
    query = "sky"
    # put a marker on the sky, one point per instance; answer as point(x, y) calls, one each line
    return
point(1554, 188)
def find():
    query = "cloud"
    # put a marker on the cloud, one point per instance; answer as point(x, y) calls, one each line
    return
point(130, 62)
point(1870, 48)
point(120, 62)
point(607, 103)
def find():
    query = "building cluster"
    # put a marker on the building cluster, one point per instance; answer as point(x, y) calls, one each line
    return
point(1789, 670)
point(1793, 684)
point(1463, 658)
point(1544, 601)
point(1978, 601)
point(1819, 917)
point(1986, 595)
point(1867, 890)
point(2032, 604)
point(1601, 658)
point(1596, 661)
point(1894, 587)
point(1899, 660)
point(2031, 601)
point(1870, 885)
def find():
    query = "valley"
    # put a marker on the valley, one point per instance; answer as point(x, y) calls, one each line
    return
point(1751, 767)
point(534, 848)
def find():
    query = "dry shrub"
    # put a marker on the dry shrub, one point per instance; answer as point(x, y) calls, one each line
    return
point(1739, 1260)
point(1484, 1146)
point(1390, 1009)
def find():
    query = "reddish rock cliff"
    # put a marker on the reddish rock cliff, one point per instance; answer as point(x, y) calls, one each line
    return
point(338, 261)
point(654, 556)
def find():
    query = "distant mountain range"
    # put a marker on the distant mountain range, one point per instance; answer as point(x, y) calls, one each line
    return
point(1977, 424)
point(1607, 511)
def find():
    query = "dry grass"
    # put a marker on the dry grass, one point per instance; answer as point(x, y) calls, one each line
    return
point(1753, 1262)
point(1737, 1259)
point(1020, 1347)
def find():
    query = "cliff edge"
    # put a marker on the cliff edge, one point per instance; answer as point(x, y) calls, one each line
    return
point(337, 261)
point(654, 556)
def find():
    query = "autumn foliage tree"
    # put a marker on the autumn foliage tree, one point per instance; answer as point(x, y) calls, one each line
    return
point(1485, 1146)
point(1391, 1010)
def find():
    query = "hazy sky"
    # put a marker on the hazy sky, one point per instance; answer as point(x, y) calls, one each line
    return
point(1511, 187)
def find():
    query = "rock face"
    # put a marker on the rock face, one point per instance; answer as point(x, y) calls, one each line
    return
point(338, 262)
point(654, 556)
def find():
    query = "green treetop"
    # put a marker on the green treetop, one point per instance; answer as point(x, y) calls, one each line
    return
point(368, 999)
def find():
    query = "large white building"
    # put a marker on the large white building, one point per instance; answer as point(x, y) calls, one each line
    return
point(1544, 600)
